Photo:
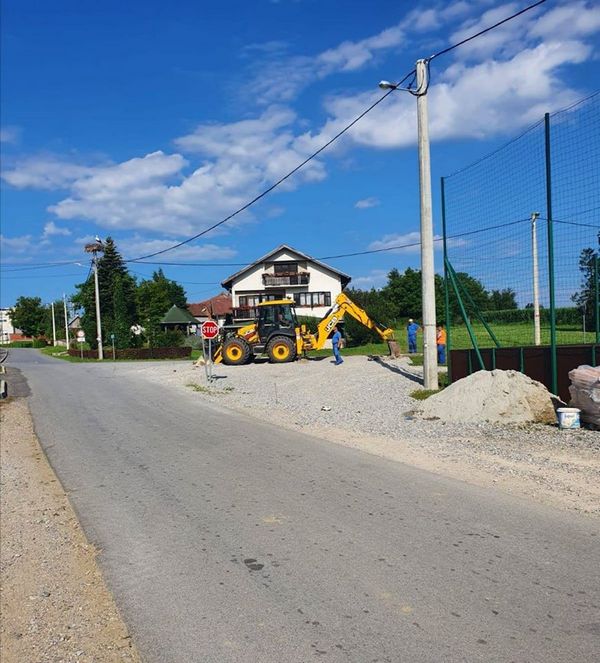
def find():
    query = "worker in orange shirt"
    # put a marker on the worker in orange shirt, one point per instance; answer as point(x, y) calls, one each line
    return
point(441, 344)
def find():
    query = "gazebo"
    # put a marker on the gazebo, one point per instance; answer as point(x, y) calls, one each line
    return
point(178, 318)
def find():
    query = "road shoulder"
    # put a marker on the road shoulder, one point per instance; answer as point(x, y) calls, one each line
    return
point(55, 605)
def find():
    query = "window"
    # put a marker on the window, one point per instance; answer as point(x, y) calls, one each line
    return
point(312, 299)
point(253, 300)
point(285, 268)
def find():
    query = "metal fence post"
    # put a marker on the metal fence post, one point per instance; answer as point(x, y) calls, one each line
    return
point(553, 362)
point(446, 286)
point(597, 297)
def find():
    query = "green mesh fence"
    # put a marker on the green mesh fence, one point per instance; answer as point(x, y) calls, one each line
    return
point(552, 170)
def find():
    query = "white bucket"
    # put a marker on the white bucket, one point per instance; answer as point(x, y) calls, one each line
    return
point(568, 417)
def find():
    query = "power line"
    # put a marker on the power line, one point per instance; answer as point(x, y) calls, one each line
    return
point(41, 265)
point(482, 32)
point(276, 184)
point(344, 255)
point(332, 140)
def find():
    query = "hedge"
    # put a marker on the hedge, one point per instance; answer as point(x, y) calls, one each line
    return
point(564, 316)
point(135, 353)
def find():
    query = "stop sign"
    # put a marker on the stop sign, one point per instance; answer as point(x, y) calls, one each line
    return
point(209, 329)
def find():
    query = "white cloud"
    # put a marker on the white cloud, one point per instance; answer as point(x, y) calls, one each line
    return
point(366, 203)
point(352, 55)
point(410, 243)
point(10, 135)
point(22, 244)
point(44, 172)
point(476, 101)
point(51, 228)
point(230, 163)
point(376, 278)
point(276, 78)
point(135, 246)
point(132, 194)
point(575, 19)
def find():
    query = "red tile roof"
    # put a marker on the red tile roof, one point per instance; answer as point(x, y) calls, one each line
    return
point(216, 306)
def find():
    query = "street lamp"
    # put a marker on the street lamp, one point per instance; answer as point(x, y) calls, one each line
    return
point(94, 248)
point(430, 366)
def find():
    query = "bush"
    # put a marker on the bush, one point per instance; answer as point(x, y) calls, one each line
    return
point(564, 316)
point(39, 343)
point(136, 353)
point(310, 322)
point(169, 338)
point(19, 344)
point(194, 342)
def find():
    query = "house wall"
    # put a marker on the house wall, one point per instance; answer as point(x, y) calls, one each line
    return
point(6, 327)
point(321, 280)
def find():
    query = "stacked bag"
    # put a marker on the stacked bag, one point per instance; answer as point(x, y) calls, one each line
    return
point(585, 393)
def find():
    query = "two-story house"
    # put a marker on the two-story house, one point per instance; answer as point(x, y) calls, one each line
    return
point(286, 273)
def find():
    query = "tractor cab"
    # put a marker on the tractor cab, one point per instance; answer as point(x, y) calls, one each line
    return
point(276, 317)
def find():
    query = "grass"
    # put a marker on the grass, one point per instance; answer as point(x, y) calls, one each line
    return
point(60, 352)
point(422, 394)
point(200, 388)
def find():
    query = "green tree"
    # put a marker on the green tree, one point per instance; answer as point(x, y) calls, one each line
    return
point(117, 299)
point(59, 317)
point(501, 300)
point(30, 316)
point(378, 308)
point(585, 299)
point(155, 297)
point(403, 292)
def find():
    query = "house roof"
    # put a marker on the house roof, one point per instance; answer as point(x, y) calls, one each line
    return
point(178, 316)
point(217, 306)
point(227, 283)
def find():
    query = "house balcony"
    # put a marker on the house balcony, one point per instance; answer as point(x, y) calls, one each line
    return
point(296, 278)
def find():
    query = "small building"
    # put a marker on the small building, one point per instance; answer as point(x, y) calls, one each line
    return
point(216, 308)
point(179, 319)
point(286, 273)
point(75, 324)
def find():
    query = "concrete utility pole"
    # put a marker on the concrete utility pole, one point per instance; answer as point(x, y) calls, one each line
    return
point(66, 320)
point(430, 366)
point(98, 322)
point(94, 248)
point(537, 336)
point(53, 325)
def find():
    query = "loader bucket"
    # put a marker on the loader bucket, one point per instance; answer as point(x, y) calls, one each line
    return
point(394, 349)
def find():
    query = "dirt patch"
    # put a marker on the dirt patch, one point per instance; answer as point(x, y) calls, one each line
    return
point(54, 603)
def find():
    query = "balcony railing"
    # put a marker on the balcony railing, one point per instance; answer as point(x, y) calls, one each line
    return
point(301, 278)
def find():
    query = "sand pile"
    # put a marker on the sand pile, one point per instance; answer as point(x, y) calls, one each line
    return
point(492, 396)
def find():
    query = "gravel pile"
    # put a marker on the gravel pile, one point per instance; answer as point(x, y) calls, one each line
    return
point(499, 397)
point(367, 404)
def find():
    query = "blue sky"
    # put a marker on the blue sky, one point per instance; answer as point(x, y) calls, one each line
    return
point(149, 121)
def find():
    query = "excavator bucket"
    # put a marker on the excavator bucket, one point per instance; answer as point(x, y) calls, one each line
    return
point(394, 349)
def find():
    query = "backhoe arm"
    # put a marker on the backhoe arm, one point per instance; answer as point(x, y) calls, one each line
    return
point(344, 305)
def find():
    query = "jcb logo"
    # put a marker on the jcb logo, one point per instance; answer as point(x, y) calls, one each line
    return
point(331, 323)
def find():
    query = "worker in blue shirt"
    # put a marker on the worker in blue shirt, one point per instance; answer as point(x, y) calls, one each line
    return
point(412, 328)
point(336, 340)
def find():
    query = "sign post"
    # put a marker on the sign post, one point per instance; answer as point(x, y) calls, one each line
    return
point(112, 338)
point(81, 341)
point(209, 330)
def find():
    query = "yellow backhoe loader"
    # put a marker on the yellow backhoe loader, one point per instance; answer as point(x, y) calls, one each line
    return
point(278, 335)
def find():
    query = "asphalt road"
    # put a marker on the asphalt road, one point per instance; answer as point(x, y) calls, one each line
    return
point(227, 539)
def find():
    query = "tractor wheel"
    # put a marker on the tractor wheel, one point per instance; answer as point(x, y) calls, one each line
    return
point(235, 352)
point(281, 349)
